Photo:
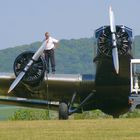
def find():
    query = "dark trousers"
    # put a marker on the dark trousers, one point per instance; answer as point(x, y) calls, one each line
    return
point(49, 57)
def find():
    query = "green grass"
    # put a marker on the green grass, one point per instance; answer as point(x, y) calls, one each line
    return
point(6, 112)
point(98, 129)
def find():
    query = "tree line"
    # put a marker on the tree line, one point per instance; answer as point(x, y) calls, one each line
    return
point(72, 56)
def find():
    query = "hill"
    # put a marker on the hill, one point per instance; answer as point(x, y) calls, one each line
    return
point(72, 56)
point(137, 46)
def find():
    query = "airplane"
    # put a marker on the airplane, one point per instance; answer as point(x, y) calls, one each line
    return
point(107, 89)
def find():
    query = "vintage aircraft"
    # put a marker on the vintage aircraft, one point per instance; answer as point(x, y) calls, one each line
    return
point(108, 89)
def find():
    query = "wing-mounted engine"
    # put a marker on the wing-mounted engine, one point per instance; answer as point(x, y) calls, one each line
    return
point(104, 40)
point(35, 73)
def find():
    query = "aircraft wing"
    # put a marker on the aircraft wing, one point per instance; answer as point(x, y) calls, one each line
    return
point(66, 85)
point(53, 89)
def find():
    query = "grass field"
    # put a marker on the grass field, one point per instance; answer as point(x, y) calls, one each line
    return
point(6, 112)
point(99, 129)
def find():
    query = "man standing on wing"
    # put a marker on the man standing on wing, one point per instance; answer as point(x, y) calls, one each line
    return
point(49, 52)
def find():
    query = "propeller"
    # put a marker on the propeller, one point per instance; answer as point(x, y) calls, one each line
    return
point(114, 49)
point(27, 67)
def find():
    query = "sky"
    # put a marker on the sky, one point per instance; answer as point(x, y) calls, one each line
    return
point(25, 21)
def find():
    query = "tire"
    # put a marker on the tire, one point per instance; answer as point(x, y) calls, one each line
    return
point(63, 111)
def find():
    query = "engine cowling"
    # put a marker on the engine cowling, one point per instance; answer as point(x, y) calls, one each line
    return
point(104, 40)
point(35, 74)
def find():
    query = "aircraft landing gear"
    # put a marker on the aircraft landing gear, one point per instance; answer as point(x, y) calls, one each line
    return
point(63, 111)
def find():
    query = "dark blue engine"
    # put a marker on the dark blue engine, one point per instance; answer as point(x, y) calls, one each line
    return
point(103, 36)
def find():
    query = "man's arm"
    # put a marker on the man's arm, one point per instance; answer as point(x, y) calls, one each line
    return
point(55, 40)
point(56, 43)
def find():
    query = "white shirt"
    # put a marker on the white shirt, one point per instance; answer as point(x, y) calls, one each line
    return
point(50, 43)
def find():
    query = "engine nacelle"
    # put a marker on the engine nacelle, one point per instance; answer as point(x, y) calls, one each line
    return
point(104, 40)
point(35, 74)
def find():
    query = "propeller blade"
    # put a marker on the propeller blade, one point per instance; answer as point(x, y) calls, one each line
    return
point(112, 20)
point(22, 73)
point(114, 49)
point(39, 51)
point(20, 76)
point(115, 59)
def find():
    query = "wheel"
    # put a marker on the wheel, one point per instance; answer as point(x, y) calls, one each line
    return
point(63, 111)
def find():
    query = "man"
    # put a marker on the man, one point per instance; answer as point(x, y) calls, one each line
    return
point(49, 52)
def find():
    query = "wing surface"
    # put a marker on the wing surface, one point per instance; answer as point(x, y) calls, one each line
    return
point(53, 89)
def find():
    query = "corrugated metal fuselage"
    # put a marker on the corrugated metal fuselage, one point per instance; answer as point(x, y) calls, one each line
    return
point(112, 90)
